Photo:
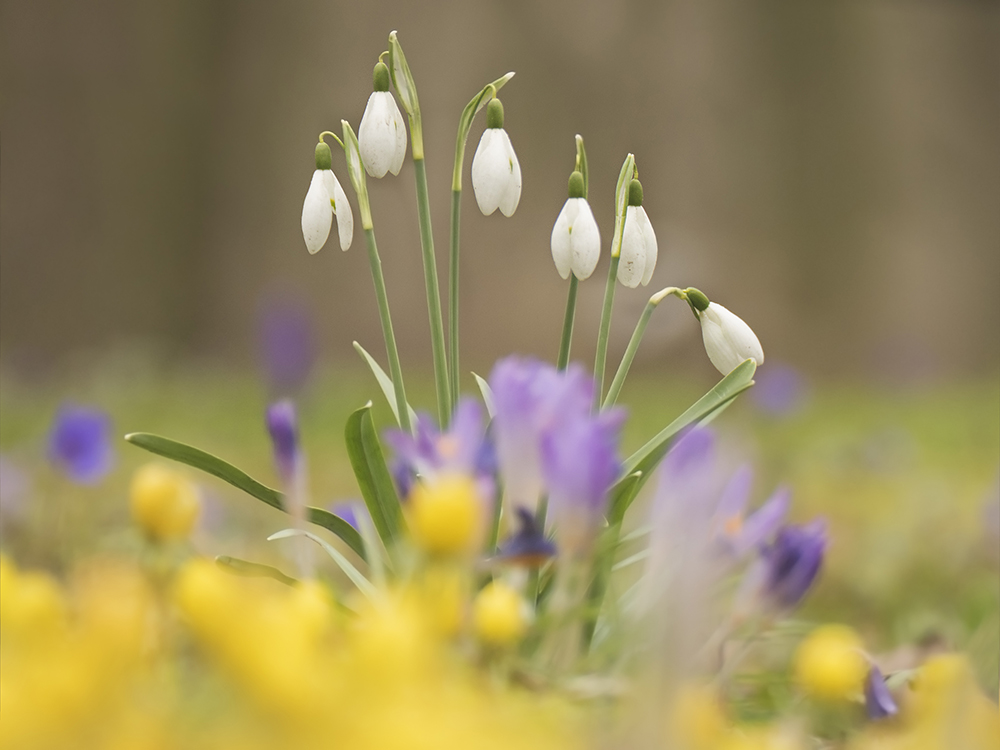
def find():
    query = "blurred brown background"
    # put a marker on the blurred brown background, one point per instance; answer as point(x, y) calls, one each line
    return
point(830, 171)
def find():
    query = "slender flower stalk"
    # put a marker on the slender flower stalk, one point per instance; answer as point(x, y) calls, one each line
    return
point(282, 426)
point(357, 175)
point(633, 344)
point(569, 318)
point(627, 174)
point(464, 125)
point(402, 79)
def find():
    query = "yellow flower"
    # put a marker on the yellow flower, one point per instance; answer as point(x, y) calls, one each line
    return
point(445, 515)
point(829, 663)
point(164, 504)
point(499, 614)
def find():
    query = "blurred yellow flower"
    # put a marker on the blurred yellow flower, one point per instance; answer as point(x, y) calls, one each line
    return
point(164, 504)
point(446, 515)
point(830, 664)
point(500, 615)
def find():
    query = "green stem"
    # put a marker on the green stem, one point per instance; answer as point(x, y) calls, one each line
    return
point(633, 344)
point(453, 375)
point(567, 333)
point(602, 336)
point(390, 338)
point(433, 295)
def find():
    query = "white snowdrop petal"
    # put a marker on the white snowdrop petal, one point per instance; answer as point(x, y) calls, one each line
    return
point(317, 214)
point(586, 241)
point(399, 136)
point(562, 250)
point(632, 259)
point(488, 166)
point(511, 195)
point(649, 242)
point(728, 339)
point(345, 217)
point(371, 136)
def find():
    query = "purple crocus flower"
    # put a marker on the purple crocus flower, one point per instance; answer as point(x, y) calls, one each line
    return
point(780, 390)
point(463, 449)
point(80, 443)
point(529, 546)
point(879, 703)
point(533, 399)
point(792, 562)
point(736, 532)
point(349, 511)
point(282, 425)
point(287, 345)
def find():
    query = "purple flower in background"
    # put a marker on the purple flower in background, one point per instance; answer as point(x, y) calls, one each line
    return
point(282, 425)
point(529, 546)
point(738, 533)
point(879, 703)
point(792, 562)
point(287, 345)
point(80, 443)
point(349, 511)
point(532, 400)
point(463, 449)
point(779, 390)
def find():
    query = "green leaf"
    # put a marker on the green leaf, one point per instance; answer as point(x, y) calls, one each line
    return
point(363, 584)
point(622, 495)
point(487, 392)
point(252, 569)
point(225, 471)
point(373, 476)
point(385, 383)
point(648, 457)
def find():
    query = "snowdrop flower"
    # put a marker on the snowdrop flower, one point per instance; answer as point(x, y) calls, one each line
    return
point(576, 240)
point(638, 248)
point(324, 199)
point(382, 134)
point(728, 340)
point(496, 175)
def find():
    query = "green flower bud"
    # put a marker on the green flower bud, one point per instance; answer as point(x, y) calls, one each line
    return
point(635, 193)
point(576, 189)
point(494, 114)
point(324, 160)
point(697, 299)
point(381, 77)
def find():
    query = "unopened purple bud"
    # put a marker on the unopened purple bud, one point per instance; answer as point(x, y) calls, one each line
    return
point(792, 562)
point(879, 703)
point(287, 345)
point(282, 425)
point(529, 546)
point(80, 443)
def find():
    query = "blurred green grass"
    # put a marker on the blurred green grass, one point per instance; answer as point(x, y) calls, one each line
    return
point(904, 476)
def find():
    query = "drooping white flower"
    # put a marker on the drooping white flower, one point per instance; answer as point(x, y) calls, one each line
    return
point(728, 340)
point(382, 134)
point(638, 249)
point(496, 175)
point(576, 240)
point(325, 199)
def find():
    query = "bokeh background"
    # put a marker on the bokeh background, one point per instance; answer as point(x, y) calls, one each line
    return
point(830, 171)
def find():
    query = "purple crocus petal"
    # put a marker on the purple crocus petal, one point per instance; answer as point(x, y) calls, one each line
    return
point(762, 522)
point(282, 425)
point(529, 546)
point(733, 501)
point(793, 561)
point(580, 463)
point(349, 511)
point(80, 443)
point(779, 390)
point(287, 345)
point(460, 447)
point(879, 703)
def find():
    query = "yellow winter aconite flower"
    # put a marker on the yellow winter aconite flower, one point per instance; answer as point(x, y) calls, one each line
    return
point(446, 515)
point(499, 614)
point(164, 504)
point(697, 720)
point(829, 663)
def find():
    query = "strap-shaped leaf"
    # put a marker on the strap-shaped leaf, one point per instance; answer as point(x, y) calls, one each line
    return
point(249, 569)
point(385, 383)
point(199, 459)
point(363, 584)
point(622, 495)
point(648, 457)
point(373, 476)
point(487, 392)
